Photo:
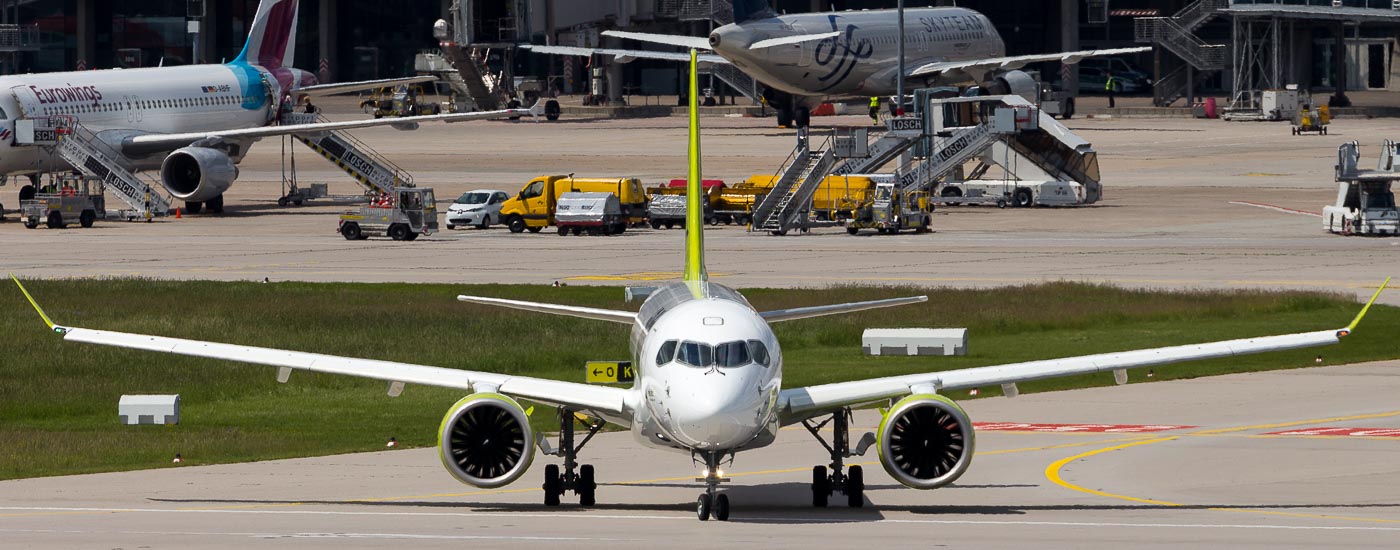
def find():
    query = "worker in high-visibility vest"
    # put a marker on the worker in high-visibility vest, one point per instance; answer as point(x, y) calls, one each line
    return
point(1110, 85)
point(875, 110)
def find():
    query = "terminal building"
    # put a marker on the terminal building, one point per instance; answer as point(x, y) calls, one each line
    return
point(1220, 47)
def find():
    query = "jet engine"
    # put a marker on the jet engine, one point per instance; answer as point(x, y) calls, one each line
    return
point(197, 173)
point(485, 440)
point(1013, 83)
point(926, 441)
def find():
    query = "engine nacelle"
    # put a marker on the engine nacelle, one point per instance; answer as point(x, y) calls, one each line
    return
point(1013, 83)
point(197, 173)
point(485, 440)
point(926, 441)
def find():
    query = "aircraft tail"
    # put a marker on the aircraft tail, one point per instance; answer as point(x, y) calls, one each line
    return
point(694, 199)
point(745, 10)
point(273, 36)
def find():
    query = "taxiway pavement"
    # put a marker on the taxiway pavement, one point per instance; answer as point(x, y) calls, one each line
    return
point(1242, 460)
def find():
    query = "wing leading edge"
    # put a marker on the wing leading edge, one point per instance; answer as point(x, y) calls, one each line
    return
point(1015, 62)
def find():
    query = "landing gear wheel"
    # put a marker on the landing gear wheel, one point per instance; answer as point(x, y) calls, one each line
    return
point(821, 487)
point(784, 118)
point(703, 507)
point(722, 507)
point(398, 232)
point(86, 218)
point(351, 231)
point(55, 220)
point(803, 117)
point(516, 224)
point(587, 488)
point(215, 205)
point(855, 487)
point(553, 485)
point(193, 207)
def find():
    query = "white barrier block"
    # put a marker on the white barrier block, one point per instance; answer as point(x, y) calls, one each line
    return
point(149, 409)
point(914, 341)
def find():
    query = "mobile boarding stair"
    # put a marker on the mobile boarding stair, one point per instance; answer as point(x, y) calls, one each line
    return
point(788, 204)
point(470, 77)
point(372, 170)
point(1004, 131)
point(902, 134)
point(92, 157)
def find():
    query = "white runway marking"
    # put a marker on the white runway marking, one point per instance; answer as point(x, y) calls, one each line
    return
point(318, 535)
point(594, 517)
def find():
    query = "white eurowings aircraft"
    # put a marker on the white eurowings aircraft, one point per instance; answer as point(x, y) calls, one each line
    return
point(194, 123)
point(709, 384)
point(807, 58)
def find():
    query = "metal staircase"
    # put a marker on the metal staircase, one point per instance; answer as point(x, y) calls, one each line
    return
point(948, 154)
point(477, 83)
point(1177, 35)
point(373, 171)
point(740, 81)
point(882, 151)
point(791, 195)
point(81, 149)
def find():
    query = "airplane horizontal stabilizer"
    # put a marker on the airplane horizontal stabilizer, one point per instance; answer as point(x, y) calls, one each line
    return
point(786, 40)
point(692, 42)
point(836, 309)
point(624, 317)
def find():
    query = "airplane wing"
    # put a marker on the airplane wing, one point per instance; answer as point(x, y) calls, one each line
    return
point(687, 42)
point(818, 311)
point(798, 404)
point(624, 56)
point(145, 144)
point(624, 317)
point(973, 66)
point(553, 392)
point(345, 87)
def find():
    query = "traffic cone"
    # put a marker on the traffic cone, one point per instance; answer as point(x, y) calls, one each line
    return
point(177, 212)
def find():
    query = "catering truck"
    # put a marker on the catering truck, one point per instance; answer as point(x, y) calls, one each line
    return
point(533, 208)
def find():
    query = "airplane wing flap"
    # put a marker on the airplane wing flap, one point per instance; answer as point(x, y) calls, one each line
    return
point(1016, 62)
point(800, 403)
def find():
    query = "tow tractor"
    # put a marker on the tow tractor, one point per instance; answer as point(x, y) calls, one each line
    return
point(1365, 200)
point(890, 211)
point(402, 216)
point(403, 101)
point(1312, 119)
point(71, 198)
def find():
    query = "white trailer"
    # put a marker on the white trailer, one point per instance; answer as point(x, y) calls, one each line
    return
point(1365, 202)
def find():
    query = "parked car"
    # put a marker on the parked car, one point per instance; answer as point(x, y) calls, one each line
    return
point(1091, 81)
point(480, 208)
point(1123, 70)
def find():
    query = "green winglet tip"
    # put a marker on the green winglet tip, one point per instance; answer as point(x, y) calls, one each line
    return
point(1367, 307)
point(42, 315)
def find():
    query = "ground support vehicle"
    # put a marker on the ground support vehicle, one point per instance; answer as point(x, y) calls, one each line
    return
point(479, 209)
point(591, 213)
point(401, 216)
point(71, 199)
point(1365, 202)
point(891, 210)
point(402, 101)
point(1003, 193)
point(1312, 119)
point(666, 205)
point(533, 208)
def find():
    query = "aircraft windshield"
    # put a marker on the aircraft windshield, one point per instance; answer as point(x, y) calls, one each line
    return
point(473, 198)
point(727, 355)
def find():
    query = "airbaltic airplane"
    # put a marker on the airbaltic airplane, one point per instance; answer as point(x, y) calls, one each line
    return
point(193, 123)
point(806, 58)
point(709, 384)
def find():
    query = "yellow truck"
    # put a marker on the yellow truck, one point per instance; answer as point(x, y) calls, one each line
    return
point(533, 207)
point(836, 199)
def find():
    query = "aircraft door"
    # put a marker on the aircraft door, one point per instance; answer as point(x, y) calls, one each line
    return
point(29, 106)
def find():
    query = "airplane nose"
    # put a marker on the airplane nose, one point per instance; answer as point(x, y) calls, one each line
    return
point(715, 423)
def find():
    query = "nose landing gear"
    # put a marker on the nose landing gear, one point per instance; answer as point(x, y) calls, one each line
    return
point(712, 502)
point(575, 477)
point(852, 482)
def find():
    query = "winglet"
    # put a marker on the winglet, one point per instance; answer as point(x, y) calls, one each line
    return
point(1364, 309)
point(694, 207)
point(42, 315)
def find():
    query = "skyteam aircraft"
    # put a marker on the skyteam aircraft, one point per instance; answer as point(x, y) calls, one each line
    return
point(807, 58)
point(709, 384)
point(194, 123)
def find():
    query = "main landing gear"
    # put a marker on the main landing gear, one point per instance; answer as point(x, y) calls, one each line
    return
point(852, 482)
point(712, 502)
point(576, 478)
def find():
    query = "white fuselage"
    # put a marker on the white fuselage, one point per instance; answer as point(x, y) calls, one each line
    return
point(724, 406)
point(122, 102)
point(863, 60)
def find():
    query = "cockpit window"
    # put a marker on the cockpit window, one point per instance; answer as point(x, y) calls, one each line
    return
point(732, 354)
point(696, 354)
point(667, 353)
point(759, 352)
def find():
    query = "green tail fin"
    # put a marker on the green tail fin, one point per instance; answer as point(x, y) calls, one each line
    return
point(694, 200)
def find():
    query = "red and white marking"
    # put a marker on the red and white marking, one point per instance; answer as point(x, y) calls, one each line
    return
point(1349, 432)
point(1081, 428)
